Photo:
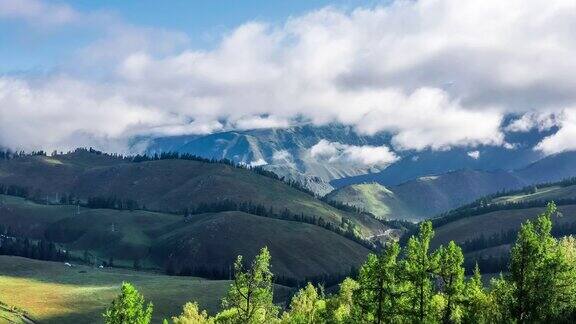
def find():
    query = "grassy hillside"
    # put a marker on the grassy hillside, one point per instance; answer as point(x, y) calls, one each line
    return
point(299, 250)
point(206, 241)
point(426, 196)
point(165, 185)
point(539, 193)
point(54, 293)
point(468, 228)
point(375, 199)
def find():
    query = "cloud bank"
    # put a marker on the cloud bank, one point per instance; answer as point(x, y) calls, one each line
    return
point(433, 73)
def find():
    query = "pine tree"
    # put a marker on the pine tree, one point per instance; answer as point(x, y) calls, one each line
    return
point(128, 308)
point(451, 273)
point(381, 293)
point(417, 267)
point(339, 308)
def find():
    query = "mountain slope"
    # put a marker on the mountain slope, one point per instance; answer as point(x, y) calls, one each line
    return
point(487, 228)
point(426, 196)
point(375, 199)
point(281, 148)
point(166, 185)
point(206, 243)
point(431, 195)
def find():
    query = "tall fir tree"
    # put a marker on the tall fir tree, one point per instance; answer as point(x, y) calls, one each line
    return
point(418, 267)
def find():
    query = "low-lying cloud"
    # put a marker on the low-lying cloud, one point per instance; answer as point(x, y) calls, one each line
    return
point(367, 155)
point(433, 73)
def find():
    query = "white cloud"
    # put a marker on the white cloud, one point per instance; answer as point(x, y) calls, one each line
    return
point(257, 163)
point(334, 152)
point(474, 154)
point(564, 139)
point(433, 73)
point(541, 121)
point(256, 122)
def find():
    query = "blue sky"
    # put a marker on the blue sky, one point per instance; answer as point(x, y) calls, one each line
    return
point(25, 49)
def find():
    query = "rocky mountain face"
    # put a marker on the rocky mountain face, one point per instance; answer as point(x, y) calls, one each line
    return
point(289, 153)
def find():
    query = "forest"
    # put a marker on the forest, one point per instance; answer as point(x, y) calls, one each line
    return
point(409, 284)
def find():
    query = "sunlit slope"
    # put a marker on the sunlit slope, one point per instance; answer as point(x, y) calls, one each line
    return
point(51, 292)
point(375, 199)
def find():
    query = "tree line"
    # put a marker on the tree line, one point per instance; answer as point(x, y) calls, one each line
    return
point(412, 284)
point(32, 249)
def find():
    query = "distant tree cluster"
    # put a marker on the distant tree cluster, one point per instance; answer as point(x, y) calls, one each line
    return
point(415, 285)
point(111, 202)
point(24, 247)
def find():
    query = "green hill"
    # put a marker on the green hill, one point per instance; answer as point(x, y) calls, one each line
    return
point(487, 228)
point(375, 199)
point(205, 244)
point(169, 185)
point(426, 196)
point(52, 292)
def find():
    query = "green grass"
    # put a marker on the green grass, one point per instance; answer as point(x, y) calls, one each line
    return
point(51, 292)
point(11, 316)
point(545, 193)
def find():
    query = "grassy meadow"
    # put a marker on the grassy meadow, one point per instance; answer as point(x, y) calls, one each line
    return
point(51, 292)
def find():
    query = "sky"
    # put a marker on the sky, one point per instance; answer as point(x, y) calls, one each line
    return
point(435, 74)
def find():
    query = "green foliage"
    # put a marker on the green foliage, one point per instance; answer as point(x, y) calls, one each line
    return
point(541, 283)
point(476, 302)
point(380, 297)
point(450, 271)
point(251, 292)
point(128, 308)
point(306, 307)
point(339, 308)
point(418, 267)
point(410, 285)
point(191, 314)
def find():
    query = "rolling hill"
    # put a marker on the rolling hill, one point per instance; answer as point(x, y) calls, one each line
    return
point(205, 244)
point(168, 185)
point(487, 228)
